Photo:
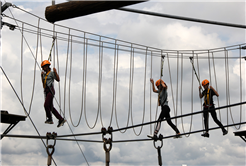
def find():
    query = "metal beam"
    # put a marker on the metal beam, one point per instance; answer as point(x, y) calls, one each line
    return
point(5, 6)
point(182, 18)
point(10, 119)
point(241, 134)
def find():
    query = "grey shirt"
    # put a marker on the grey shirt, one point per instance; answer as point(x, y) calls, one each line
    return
point(50, 79)
point(163, 97)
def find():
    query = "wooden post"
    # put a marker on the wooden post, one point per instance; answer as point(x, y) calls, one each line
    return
point(73, 9)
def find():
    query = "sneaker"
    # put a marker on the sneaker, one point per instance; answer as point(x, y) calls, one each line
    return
point(225, 132)
point(152, 136)
point(205, 135)
point(178, 135)
point(49, 121)
point(61, 122)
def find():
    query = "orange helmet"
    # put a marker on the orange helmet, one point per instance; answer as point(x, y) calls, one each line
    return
point(45, 62)
point(158, 82)
point(205, 82)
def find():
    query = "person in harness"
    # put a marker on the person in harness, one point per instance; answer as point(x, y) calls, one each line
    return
point(208, 104)
point(48, 77)
point(165, 110)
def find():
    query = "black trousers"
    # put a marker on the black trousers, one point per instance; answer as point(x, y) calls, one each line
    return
point(165, 113)
point(214, 116)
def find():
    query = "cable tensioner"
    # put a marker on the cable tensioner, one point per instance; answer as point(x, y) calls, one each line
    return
point(107, 141)
point(52, 147)
point(160, 138)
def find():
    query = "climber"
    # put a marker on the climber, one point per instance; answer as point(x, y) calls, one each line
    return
point(165, 110)
point(48, 77)
point(208, 104)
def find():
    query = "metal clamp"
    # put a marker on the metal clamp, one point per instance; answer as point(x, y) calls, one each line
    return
point(160, 138)
point(107, 141)
point(52, 147)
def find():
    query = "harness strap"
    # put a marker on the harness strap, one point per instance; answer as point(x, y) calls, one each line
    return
point(206, 98)
point(44, 85)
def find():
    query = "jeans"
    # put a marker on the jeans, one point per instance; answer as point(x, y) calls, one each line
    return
point(48, 104)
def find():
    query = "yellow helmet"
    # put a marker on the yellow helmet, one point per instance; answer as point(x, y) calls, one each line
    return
point(205, 82)
point(45, 62)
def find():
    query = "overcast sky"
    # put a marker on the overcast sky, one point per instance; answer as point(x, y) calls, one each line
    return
point(131, 29)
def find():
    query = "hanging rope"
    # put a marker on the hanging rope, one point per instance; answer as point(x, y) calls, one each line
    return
point(69, 88)
point(215, 78)
point(58, 70)
point(98, 104)
point(114, 81)
point(65, 79)
point(150, 89)
point(100, 80)
point(34, 73)
point(177, 88)
point(170, 75)
point(49, 59)
point(21, 72)
point(226, 74)
point(128, 115)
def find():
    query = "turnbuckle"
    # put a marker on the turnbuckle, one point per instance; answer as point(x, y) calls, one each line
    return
point(160, 138)
point(107, 141)
point(52, 147)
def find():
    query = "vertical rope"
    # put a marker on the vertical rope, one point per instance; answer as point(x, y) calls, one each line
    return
point(177, 87)
point(100, 81)
point(170, 75)
point(53, 44)
point(40, 38)
point(157, 103)
point(91, 127)
point(150, 92)
point(34, 72)
point(58, 70)
point(117, 64)
point(65, 79)
point(21, 72)
point(215, 78)
point(114, 82)
point(192, 92)
point(240, 75)
point(209, 67)
point(181, 90)
point(198, 72)
point(226, 70)
point(83, 92)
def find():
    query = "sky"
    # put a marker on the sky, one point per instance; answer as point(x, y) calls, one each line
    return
point(73, 95)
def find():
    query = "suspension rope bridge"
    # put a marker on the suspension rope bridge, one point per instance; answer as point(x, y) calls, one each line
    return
point(150, 57)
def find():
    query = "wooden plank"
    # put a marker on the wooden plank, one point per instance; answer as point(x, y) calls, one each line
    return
point(74, 9)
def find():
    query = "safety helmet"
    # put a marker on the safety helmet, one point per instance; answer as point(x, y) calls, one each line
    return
point(158, 82)
point(45, 62)
point(205, 82)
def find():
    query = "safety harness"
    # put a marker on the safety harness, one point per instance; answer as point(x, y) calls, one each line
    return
point(45, 79)
point(206, 99)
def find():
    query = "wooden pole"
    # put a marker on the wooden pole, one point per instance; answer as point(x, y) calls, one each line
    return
point(74, 9)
